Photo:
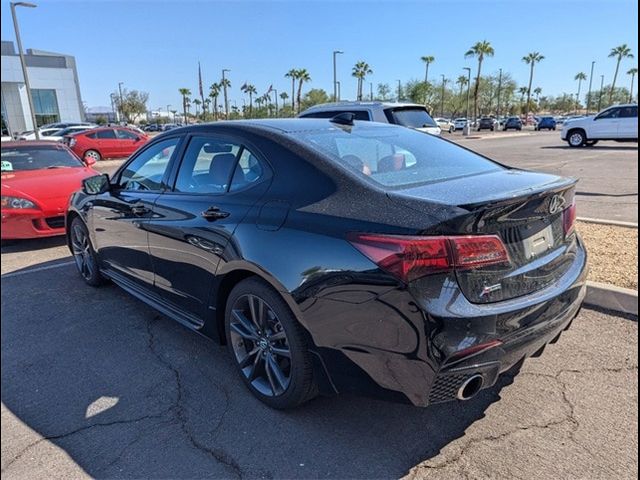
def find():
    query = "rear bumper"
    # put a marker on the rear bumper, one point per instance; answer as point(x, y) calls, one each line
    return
point(420, 344)
point(17, 225)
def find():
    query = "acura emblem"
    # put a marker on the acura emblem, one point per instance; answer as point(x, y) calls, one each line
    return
point(556, 204)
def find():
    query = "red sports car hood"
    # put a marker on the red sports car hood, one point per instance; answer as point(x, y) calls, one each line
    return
point(48, 188)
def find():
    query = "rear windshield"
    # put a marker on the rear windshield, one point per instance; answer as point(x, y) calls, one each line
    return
point(410, 117)
point(36, 158)
point(358, 114)
point(396, 157)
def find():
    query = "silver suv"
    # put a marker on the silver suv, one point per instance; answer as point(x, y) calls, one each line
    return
point(409, 115)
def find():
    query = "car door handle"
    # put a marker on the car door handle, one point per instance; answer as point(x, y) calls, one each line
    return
point(139, 210)
point(214, 213)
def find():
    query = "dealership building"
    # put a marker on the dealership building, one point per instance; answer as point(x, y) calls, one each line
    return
point(54, 87)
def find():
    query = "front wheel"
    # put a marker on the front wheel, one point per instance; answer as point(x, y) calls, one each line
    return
point(576, 139)
point(451, 129)
point(92, 155)
point(84, 255)
point(268, 345)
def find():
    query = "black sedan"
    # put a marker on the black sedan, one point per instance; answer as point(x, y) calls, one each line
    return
point(334, 256)
point(512, 122)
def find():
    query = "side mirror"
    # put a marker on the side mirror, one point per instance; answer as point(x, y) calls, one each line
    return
point(88, 161)
point(96, 185)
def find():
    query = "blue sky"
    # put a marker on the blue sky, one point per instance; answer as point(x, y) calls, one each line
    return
point(156, 46)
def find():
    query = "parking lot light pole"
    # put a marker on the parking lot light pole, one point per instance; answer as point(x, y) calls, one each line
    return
point(224, 88)
point(499, 88)
point(399, 90)
point(335, 75)
point(371, 91)
point(120, 93)
point(467, 126)
point(23, 63)
point(590, 83)
point(600, 96)
point(338, 85)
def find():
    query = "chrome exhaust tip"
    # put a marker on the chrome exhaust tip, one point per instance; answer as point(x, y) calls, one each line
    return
point(470, 387)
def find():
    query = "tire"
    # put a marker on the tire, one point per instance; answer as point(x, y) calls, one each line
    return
point(451, 130)
point(576, 138)
point(92, 154)
point(281, 380)
point(492, 129)
point(84, 255)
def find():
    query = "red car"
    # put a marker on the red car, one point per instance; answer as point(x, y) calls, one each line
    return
point(37, 180)
point(106, 142)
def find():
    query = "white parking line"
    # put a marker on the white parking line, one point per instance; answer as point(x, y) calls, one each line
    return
point(37, 269)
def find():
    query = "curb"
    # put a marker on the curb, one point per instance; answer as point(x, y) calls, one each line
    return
point(601, 221)
point(610, 297)
point(496, 137)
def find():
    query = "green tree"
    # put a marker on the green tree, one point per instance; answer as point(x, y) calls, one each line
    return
point(185, 92)
point(132, 104)
point(383, 91)
point(303, 76)
point(225, 84)
point(480, 50)
point(214, 93)
point(293, 75)
point(360, 70)
point(522, 91)
point(580, 77)
point(251, 91)
point(632, 72)
point(197, 102)
point(313, 97)
point(619, 52)
point(101, 120)
point(284, 97)
point(537, 91)
point(428, 60)
point(531, 59)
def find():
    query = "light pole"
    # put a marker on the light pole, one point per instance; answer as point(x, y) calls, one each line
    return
point(371, 91)
point(399, 90)
point(335, 79)
point(499, 88)
point(444, 80)
point(23, 63)
point(590, 82)
point(467, 126)
point(120, 92)
point(224, 88)
point(601, 87)
point(168, 117)
point(338, 85)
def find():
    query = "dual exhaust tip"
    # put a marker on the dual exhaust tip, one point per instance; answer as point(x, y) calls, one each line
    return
point(470, 387)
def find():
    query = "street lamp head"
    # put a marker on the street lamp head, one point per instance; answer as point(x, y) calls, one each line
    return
point(23, 4)
point(338, 52)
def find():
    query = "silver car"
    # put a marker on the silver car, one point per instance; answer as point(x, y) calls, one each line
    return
point(411, 115)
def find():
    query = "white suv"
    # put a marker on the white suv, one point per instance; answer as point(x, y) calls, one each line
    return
point(618, 122)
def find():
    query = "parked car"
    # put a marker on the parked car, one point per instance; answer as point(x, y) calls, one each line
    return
point(487, 123)
point(44, 132)
point(405, 114)
point(333, 256)
point(37, 180)
point(169, 126)
point(154, 127)
point(459, 123)
point(445, 125)
point(513, 123)
point(60, 125)
point(105, 142)
point(59, 135)
point(619, 123)
point(546, 123)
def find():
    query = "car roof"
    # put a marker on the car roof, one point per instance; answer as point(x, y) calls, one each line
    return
point(34, 143)
point(381, 104)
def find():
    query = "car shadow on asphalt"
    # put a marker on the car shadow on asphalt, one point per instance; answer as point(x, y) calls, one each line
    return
point(127, 392)
point(594, 148)
point(16, 246)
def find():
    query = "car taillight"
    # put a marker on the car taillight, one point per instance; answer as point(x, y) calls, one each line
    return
point(72, 142)
point(412, 257)
point(568, 219)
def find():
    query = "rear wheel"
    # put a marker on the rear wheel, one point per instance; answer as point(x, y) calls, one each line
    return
point(576, 138)
point(93, 155)
point(268, 345)
point(83, 253)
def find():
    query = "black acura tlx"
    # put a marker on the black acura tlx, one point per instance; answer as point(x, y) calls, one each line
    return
point(333, 255)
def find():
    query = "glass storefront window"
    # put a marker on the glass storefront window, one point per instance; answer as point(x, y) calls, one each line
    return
point(45, 104)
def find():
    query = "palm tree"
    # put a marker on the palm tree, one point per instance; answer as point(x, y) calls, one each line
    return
point(522, 91)
point(633, 73)
point(197, 102)
point(537, 91)
point(580, 76)
point(428, 60)
point(185, 92)
point(619, 52)
point(462, 82)
point(303, 76)
point(531, 59)
point(360, 71)
point(214, 93)
point(205, 107)
point(284, 97)
point(249, 90)
point(293, 75)
point(479, 51)
point(225, 83)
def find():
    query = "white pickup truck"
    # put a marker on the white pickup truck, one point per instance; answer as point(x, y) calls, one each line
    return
point(618, 122)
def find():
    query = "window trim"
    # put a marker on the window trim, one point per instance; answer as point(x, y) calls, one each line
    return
point(600, 115)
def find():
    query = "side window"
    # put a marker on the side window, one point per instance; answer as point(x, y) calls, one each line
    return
point(629, 112)
point(126, 135)
point(106, 134)
point(611, 113)
point(248, 171)
point(207, 165)
point(146, 171)
point(92, 135)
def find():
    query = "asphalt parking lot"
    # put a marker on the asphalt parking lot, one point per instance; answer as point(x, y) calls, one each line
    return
point(96, 384)
point(608, 172)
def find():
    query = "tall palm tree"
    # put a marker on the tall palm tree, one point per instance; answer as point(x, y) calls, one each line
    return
point(620, 52)
point(205, 107)
point(633, 73)
point(360, 71)
point(284, 97)
point(479, 51)
point(225, 83)
point(462, 82)
point(197, 102)
point(580, 76)
point(522, 91)
point(214, 93)
point(185, 92)
point(537, 91)
point(293, 75)
point(428, 60)
point(531, 59)
point(249, 90)
point(303, 76)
